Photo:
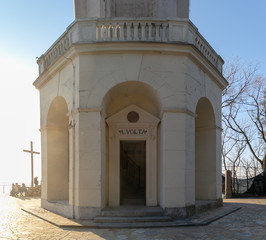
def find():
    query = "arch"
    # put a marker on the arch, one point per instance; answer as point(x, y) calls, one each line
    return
point(205, 151)
point(57, 151)
point(121, 97)
point(132, 92)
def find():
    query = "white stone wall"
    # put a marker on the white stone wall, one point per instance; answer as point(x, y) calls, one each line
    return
point(200, 84)
point(176, 80)
point(176, 160)
point(60, 83)
point(131, 8)
point(99, 73)
point(88, 8)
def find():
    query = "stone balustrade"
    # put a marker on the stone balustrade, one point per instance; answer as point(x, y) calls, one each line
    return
point(204, 47)
point(129, 30)
point(58, 49)
point(132, 31)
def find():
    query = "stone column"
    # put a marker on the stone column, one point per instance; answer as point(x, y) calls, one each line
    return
point(218, 165)
point(89, 158)
point(177, 168)
point(228, 181)
point(71, 164)
point(44, 191)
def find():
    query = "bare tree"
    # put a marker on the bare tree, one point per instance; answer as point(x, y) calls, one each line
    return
point(256, 109)
point(247, 165)
point(235, 160)
point(240, 78)
point(243, 114)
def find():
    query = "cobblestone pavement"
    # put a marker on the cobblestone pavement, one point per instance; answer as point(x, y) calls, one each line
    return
point(247, 223)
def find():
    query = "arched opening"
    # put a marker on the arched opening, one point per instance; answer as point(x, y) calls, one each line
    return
point(205, 151)
point(133, 151)
point(57, 151)
point(132, 92)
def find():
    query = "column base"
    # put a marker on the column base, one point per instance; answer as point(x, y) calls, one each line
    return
point(60, 207)
point(188, 211)
point(75, 212)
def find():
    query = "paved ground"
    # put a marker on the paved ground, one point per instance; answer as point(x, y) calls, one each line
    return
point(247, 223)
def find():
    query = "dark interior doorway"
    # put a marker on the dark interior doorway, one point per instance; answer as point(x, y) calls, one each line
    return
point(132, 172)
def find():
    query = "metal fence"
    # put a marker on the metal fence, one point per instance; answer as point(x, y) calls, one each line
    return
point(242, 177)
point(5, 188)
point(243, 172)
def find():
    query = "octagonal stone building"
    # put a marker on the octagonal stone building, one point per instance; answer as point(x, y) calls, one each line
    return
point(130, 100)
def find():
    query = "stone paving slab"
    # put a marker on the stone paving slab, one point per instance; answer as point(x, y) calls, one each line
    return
point(63, 222)
point(248, 223)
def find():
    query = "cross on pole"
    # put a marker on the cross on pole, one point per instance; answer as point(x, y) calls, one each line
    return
point(31, 153)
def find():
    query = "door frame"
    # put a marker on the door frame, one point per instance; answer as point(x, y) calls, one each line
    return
point(120, 129)
point(143, 154)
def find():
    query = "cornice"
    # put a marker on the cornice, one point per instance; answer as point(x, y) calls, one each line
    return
point(170, 48)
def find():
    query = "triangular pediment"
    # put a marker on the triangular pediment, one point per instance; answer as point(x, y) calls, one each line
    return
point(133, 115)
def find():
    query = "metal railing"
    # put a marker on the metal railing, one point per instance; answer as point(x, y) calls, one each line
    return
point(242, 177)
point(5, 188)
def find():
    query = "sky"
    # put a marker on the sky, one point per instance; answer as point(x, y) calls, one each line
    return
point(234, 28)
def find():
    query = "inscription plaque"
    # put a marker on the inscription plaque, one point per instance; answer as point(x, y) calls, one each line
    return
point(133, 131)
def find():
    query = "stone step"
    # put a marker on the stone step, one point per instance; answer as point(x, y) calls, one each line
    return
point(132, 211)
point(133, 201)
point(146, 219)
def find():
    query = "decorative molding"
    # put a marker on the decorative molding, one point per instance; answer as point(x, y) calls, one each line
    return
point(213, 127)
point(180, 31)
point(45, 128)
point(84, 110)
point(145, 129)
point(178, 110)
point(114, 47)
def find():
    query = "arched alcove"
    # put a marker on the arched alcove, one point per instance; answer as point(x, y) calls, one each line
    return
point(205, 151)
point(141, 99)
point(57, 151)
point(132, 92)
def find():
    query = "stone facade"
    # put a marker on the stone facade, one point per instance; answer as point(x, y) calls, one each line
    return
point(161, 71)
point(131, 8)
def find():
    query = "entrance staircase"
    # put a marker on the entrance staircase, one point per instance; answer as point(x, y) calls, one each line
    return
point(131, 216)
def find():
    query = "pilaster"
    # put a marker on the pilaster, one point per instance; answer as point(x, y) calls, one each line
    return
point(89, 153)
point(177, 166)
point(218, 163)
point(44, 191)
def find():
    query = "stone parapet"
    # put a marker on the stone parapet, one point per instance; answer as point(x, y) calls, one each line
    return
point(170, 31)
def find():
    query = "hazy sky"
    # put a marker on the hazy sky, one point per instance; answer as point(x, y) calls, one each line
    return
point(234, 28)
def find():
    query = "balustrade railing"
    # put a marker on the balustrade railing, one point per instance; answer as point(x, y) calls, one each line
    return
point(58, 49)
point(129, 30)
point(206, 50)
point(132, 31)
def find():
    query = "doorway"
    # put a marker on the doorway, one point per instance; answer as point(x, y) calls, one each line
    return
point(132, 172)
point(137, 140)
